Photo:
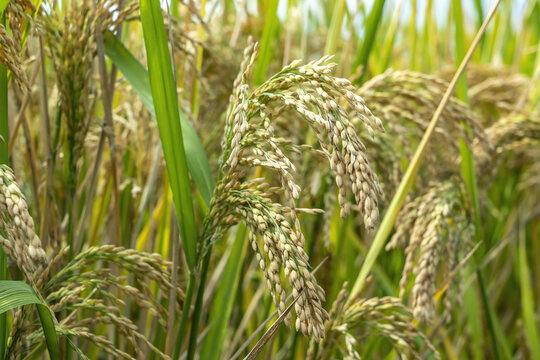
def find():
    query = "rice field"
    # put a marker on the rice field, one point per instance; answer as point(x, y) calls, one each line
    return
point(264, 179)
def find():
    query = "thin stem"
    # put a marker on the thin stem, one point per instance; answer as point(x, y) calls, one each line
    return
point(196, 81)
point(174, 240)
point(22, 108)
point(46, 213)
point(108, 127)
point(489, 311)
point(185, 315)
point(372, 25)
point(198, 306)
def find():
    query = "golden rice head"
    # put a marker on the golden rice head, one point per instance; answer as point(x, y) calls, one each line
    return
point(433, 229)
point(18, 14)
point(311, 94)
point(21, 244)
point(385, 317)
point(406, 101)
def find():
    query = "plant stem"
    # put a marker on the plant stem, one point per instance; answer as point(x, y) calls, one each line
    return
point(185, 315)
point(198, 306)
point(196, 82)
point(489, 311)
point(372, 26)
point(334, 32)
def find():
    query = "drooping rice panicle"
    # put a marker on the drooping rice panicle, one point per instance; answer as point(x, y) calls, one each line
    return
point(21, 243)
point(312, 94)
point(433, 229)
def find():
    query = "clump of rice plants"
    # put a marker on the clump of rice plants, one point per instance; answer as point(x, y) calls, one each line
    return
point(174, 185)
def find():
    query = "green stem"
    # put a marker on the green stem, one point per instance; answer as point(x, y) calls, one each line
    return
point(461, 88)
point(468, 171)
point(196, 82)
point(489, 313)
point(334, 31)
point(185, 316)
point(49, 331)
point(198, 306)
point(372, 26)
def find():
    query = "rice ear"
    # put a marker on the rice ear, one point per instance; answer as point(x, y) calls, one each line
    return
point(311, 94)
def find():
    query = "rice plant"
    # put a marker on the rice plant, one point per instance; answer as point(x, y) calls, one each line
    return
point(224, 179)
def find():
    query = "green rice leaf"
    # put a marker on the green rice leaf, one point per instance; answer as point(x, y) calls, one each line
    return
point(18, 293)
point(168, 118)
point(271, 25)
point(137, 76)
point(527, 300)
point(3, 4)
point(372, 25)
point(334, 32)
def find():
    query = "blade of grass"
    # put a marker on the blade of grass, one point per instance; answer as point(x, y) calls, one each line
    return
point(334, 32)
point(197, 310)
point(18, 293)
point(461, 87)
point(479, 16)
point(406, 183)
point(46, 215)
point(494, 327)
point(430, 38)
point(185, 315)
point(166, 106)
point(196, 81)
point(469, 176)
point(165, 102)
point(107, 94)
point(372, 25)
point(137, 76)
point(390, 37)
point(224, 298)
point(413, 34)
point(471, 307)
point(527, 298)
point(49, 330)
point(3, 4)
point(490, 41)
point(271, 25)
